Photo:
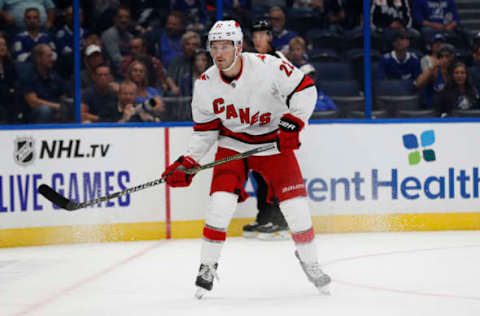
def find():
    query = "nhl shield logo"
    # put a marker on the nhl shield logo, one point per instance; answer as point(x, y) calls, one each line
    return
point(24, 151)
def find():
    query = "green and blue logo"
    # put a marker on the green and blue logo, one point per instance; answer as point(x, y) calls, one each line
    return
point(410, 142)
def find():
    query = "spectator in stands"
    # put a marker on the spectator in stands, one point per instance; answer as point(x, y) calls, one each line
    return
point(281, 36)
point(124, 109)
point(92, 39)
point(435, 16)
point(8, 78)
point(297, 49)
point(238, 10)
point(195, 13)
point(116, 38)
point(475, 69)
point(100, 95)
point(390, 14)
point(428, 61)
point(459, 93)
point(333, 12)
point(434, 79)
point(353, 15)
point(138, 51)
point(13, 12)
point(65, 35)
point(44, 88)
point(24, 42)
point(93, 58)
point(200, 63)
point(168, 44)
point(182, 65)
point(399, 63)
point(137, 72)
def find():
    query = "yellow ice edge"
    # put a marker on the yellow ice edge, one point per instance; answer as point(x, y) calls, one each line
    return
point(36, 236)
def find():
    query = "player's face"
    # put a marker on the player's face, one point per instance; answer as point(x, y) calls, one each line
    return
point(223, 53)
point(261, 41)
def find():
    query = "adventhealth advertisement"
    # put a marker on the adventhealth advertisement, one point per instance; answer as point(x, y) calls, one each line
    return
point(349, 169)
point(82, 165)
point(393, 168)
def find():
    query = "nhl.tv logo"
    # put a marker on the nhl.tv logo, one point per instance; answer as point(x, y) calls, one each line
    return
point(419, 150)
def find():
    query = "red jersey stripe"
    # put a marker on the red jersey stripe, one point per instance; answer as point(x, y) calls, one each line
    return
point(249, 139)
point(306, 82)
point(208, 126)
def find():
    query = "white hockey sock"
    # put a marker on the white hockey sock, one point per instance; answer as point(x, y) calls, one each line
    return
point(220, 211)
point(297, 215)
point(307, 252)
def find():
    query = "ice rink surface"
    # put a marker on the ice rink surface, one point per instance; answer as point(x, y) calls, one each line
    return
point(374, 274)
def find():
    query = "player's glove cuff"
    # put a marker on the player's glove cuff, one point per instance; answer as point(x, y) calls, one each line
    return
point(288, 132)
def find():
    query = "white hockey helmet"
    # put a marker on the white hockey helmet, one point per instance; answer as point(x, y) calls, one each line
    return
point(228, 30)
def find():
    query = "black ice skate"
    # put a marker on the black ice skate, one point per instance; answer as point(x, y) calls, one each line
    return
point(250, 230)
point(315, 275)
point(204, 282)
point(271, 231)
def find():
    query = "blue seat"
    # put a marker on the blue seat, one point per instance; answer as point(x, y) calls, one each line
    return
point(355, 40)
point(339, 88)
point(333, 71)
point(318, 55)
point(398, 97)
point(394, 87)
point(302, 22)
point(319, 38)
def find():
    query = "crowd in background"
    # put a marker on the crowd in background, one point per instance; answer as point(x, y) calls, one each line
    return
point(140, 59)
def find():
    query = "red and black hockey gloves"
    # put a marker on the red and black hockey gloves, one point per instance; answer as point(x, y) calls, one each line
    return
point(175, 173)
point(288, 133)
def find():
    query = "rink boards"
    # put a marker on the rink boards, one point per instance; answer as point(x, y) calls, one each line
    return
point(359, 177)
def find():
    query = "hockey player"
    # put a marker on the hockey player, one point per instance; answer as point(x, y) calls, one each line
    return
point(269, 223)
point(245, 101)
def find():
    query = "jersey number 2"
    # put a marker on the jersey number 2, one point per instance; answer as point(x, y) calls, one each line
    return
point(284, 66)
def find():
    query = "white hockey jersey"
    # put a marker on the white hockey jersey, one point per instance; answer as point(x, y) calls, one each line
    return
point(244, 114)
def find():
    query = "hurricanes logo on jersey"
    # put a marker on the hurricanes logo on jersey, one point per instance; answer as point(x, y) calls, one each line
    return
point(243, 114)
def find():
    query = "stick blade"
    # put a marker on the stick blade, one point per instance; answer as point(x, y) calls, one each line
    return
point(56, 198)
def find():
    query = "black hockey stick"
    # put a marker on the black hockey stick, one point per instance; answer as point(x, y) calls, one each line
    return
point(69, 205)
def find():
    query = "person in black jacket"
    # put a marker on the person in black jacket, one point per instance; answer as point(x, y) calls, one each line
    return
point(459, 93)
point(8, 78)
point(390, 14)
point(269, 223)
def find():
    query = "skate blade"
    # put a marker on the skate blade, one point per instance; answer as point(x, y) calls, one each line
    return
point(200, 293)
point(249, 235)
point(274, 236)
